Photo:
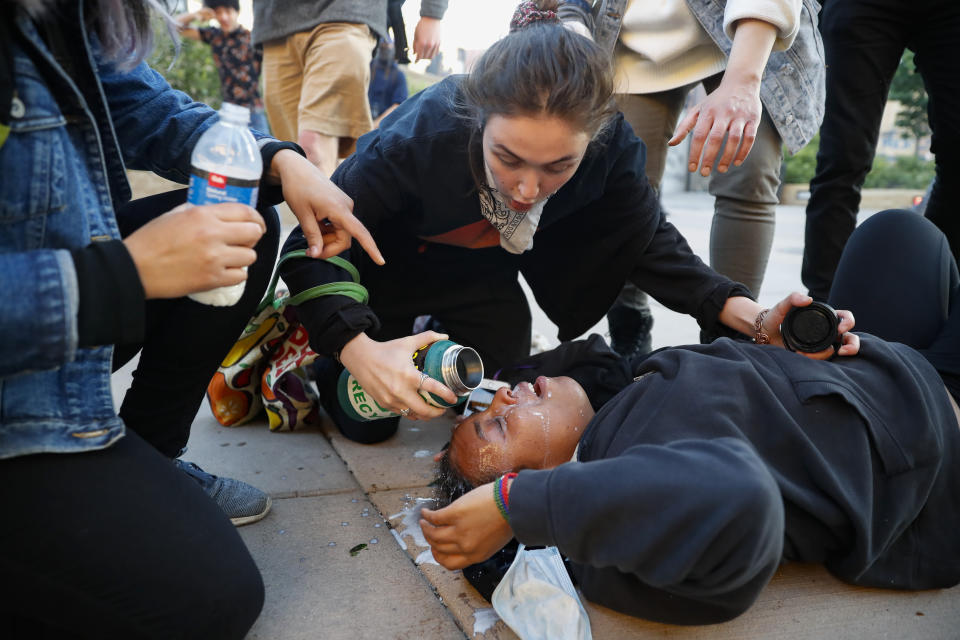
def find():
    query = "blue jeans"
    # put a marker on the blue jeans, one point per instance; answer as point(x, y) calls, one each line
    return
point(258, 121)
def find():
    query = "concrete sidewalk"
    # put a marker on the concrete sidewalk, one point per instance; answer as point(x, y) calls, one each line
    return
point(332, 495)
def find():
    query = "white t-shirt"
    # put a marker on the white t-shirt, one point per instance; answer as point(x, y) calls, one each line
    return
point(666, 47)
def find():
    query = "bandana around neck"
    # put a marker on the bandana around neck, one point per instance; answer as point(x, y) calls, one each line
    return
point(516, 228)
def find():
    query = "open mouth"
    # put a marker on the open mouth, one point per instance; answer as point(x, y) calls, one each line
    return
point(536, 389)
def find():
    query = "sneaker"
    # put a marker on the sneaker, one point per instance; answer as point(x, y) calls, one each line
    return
point(243, 503)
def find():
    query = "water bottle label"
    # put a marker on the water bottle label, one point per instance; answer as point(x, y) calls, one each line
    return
point(207, 187)
point(363, 403)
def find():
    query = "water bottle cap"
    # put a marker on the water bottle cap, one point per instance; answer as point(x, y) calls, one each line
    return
point(234, 113)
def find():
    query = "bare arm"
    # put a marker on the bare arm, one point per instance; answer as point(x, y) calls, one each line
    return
point(734, 108)
point(426, 38)
point(185, 19)
point(740, 313)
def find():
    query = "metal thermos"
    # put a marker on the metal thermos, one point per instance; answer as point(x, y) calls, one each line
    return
point(456, 366)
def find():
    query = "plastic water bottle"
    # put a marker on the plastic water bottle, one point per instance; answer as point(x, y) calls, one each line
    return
point(226, 167)
point(456, 366)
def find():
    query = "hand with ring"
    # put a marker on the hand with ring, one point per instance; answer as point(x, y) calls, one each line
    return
point(405, 412)
point(386, 372)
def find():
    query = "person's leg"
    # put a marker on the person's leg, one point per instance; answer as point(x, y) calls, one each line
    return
point(899, 278)
point(282, 77)
point(745, 208)
point(935, 44)
point(333, 109)
point(185, 341)
point(653, 118)
point(117, 543)
point(395, 18)
point(863, 42)
point(258, 120)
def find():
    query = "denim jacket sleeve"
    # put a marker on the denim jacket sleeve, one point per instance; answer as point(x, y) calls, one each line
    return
point(156, 126)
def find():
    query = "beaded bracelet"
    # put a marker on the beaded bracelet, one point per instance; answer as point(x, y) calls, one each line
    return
point(501, 495)
point(760, 335)
point(505, 488)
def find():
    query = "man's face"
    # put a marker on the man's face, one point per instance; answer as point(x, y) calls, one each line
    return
point(534, 426)
point(227, 17)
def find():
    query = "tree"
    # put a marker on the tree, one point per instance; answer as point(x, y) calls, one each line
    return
point(192, 70)
point(907, 89)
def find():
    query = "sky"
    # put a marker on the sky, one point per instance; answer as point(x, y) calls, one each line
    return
point(467, 24)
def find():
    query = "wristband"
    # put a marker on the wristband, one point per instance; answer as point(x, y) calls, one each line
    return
point(505, 488)
point(498, 499)
point(501, 494)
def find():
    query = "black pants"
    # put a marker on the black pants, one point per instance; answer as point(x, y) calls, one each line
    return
point(395, 20)
point(118, 543)
point(185, 340)
point(900, 280)
point(863, 42)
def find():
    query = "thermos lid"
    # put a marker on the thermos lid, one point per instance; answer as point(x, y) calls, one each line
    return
point(810, 329)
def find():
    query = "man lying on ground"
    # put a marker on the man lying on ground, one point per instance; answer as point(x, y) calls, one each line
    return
point(679, 499)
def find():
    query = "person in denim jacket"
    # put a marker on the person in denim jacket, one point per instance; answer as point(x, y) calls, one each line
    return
point(761, 62)
point(106, 535)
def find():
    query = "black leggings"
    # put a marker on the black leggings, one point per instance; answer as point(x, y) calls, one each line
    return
point(184, 341)
point(898, 276)
point(118, 543)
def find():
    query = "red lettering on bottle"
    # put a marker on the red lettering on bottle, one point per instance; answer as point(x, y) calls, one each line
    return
point(216, 180)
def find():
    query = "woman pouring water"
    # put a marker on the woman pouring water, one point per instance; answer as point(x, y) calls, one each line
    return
point(521, 167)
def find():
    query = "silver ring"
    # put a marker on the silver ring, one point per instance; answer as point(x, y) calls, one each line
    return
point(423, 377)
point(405, 412)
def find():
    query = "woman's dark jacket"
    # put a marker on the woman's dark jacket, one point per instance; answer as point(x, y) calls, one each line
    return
point(412, 177)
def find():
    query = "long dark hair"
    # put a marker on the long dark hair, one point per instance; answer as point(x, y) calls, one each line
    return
point(449, 483)
point(541, 69)
point(122, 26)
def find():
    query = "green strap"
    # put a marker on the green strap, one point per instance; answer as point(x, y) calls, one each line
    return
point(353, 290)
point(350, 289)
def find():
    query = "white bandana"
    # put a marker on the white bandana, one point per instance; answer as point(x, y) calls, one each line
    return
point(516, 228)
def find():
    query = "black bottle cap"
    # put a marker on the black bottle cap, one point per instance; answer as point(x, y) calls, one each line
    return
point(810, 329)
